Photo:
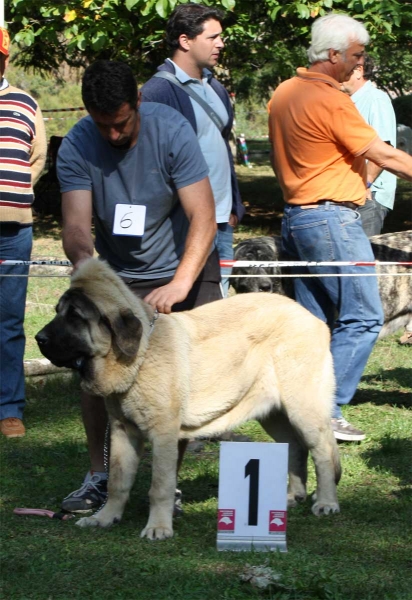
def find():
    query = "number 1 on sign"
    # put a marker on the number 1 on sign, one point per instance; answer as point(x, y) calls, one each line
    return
point(252, 496)
point(252, 471)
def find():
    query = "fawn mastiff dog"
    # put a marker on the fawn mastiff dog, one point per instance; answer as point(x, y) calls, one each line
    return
point(395, 292)
point(196, 374)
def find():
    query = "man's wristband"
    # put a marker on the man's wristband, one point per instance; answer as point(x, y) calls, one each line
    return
point(368, 185)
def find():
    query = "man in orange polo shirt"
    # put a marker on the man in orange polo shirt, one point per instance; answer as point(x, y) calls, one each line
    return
point(319, 146)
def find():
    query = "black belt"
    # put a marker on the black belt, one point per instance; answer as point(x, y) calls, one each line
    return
point(346, 204)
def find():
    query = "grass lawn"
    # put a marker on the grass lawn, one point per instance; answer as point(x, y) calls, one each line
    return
point(364, 553)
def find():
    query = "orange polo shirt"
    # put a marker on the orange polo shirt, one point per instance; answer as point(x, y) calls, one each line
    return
point(318, 137)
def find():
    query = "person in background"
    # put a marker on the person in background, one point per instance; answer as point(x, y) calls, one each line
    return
point(23, 151)
point(320, 145)
point(376, 108)
point(137, 169)
point(194, 35)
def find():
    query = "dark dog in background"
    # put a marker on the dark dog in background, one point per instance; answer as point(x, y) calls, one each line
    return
point(395, 292)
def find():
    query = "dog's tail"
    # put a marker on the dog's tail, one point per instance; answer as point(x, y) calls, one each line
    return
point(336, 460)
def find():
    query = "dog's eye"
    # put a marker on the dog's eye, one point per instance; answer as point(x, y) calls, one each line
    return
point(74, 313)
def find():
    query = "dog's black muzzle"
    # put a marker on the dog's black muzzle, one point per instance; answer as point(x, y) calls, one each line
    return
point(59, 355)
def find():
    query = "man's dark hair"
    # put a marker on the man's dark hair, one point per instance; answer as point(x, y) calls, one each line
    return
point(368, 67)
point(107, 85)
point(188, 19)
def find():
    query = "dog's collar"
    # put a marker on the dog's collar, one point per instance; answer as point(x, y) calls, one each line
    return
point(153, 321)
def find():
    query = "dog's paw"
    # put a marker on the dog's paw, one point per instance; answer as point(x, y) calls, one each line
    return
point(88, 522)
point(97, 521)
point(325, 508)
point(295, 499)
point(157, 533)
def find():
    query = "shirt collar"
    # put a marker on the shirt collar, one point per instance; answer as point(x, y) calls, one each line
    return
point(304, 73)
point(3, 84)
point(365, 89)
point(183, 77)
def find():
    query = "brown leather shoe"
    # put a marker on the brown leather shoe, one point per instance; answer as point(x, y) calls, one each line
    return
point(12, 427)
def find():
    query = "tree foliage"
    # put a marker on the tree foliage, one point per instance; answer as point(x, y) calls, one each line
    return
point(265, 39)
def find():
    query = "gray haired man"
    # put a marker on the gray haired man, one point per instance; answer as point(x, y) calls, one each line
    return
point(320, 144)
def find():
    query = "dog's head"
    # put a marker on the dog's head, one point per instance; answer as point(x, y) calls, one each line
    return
point(396, 247)
point(257, 250)
point(98, 321)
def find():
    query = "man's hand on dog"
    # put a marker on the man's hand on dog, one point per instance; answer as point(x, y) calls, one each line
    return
point(163, 298)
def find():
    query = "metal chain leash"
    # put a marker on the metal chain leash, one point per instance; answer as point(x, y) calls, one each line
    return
point(106, 450)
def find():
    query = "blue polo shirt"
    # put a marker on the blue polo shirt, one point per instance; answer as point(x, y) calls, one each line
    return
point(376, 108)
point(210, 140)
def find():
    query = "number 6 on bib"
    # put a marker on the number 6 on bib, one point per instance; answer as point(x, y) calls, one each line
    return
point(129, 219)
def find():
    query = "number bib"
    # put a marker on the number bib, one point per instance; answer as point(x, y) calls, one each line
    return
point(129, 219)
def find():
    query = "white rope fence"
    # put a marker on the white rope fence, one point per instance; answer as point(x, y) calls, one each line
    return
point(242, 264)
point(308, 263)
point(29, 263)
point(299, 275)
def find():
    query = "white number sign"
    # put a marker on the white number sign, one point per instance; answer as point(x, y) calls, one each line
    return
point(252, 496)
point(129, 219)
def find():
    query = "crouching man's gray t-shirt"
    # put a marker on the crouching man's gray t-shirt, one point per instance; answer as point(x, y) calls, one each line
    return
point(165, 158)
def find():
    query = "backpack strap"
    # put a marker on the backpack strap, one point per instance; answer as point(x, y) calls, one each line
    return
point(212, 114)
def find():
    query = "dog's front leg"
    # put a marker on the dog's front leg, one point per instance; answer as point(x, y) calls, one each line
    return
point(126, 448)
point(162, 490)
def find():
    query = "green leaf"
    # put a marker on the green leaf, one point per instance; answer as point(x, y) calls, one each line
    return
point(148, 8)
point(81, 42)
point(303, 11)
point(162, 8)
point(99, 41)
point(130, 4)
point(387, 26)
point(274, 12)
point(229, 4)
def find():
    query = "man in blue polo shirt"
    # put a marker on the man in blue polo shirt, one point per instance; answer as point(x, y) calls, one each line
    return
point(193, 32)
point(376, 108)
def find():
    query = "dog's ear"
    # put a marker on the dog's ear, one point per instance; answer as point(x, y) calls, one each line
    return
point(127, 332)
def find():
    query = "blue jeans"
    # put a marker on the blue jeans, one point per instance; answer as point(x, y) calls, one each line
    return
point(224, 245)
point(350, 305)
point(15, 244)
point(373, 215)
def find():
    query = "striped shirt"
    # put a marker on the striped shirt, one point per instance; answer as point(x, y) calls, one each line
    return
point(23, 151)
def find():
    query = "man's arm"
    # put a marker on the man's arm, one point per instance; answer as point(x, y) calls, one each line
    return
point(390, 159)
point(38, 153)
point(198, 204)
point(78, 242)
point(372, 172)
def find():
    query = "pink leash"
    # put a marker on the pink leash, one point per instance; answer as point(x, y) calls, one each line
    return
point(40, 512)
